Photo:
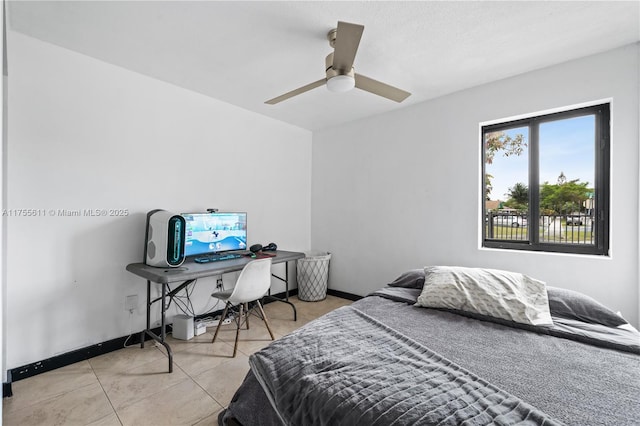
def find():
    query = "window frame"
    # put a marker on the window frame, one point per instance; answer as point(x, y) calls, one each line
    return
point(602, 169)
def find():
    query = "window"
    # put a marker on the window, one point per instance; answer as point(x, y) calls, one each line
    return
point(546, 182)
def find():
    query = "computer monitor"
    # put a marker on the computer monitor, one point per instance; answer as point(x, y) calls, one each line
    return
point(217, 232)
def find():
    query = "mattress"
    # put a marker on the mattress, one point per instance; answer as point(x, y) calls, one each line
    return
point(573, 372)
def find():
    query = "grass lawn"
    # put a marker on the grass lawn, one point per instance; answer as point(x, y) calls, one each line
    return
point(565, 234)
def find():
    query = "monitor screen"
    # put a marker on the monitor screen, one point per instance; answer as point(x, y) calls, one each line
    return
point(214, 232)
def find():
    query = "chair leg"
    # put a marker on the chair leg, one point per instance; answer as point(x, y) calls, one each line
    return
point(246, 308)
point(235, 345)
point(264, 318)
point(224, 315)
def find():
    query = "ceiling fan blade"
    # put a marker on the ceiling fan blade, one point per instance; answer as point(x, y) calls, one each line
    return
point(347, 42)
point(381, 89)
point(296, 92)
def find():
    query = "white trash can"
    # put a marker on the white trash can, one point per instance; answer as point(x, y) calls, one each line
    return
point(312, 273)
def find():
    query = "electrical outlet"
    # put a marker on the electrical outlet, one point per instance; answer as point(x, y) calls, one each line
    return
point(219, 283)
point(131, 303)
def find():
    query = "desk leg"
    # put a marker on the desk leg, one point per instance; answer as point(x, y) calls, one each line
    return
point(160, 339)
point(163, 331)
point(286, 299)
point(286, 282)
point(143, 333)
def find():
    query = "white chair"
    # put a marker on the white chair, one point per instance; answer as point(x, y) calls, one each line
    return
point(252, 284)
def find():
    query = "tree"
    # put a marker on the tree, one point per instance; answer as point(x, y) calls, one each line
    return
point(565, 196)
point(500, 141)
point(487, 186)
point(518, 196)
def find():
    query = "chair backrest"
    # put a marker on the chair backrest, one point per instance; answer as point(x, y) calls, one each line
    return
point(253, 283)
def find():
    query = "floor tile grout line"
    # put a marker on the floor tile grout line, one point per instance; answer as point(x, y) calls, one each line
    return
point(185, 380)
point(50, 397)
point(42, 401)
point(224, 407)
point(106, 394)
point(155, 393)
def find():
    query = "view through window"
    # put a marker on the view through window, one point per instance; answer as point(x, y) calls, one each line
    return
point(546, 182)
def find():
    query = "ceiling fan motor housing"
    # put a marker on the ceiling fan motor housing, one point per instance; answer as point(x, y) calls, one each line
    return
point(332, 72)
point(338, 80)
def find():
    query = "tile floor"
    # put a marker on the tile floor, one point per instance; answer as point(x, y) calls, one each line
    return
point(131, 386)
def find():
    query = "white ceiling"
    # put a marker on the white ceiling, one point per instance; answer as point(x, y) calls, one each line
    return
point(244, 53)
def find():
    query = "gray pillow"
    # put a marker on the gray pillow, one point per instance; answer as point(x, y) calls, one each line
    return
point(410, 279)
point(492, 292)
point(571, 304)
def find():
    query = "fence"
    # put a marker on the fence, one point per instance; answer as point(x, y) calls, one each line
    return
point(565, 229)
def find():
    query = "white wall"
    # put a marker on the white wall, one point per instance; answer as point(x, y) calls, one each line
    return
point(402, 190)
point(84, 134)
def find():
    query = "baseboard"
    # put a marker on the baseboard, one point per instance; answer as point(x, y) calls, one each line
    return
point(72, 357)
point(88, 352)
point(6, 390)
point(344, 295)
point(6, 386)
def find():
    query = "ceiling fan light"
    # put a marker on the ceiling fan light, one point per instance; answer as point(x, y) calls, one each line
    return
point(341, 83)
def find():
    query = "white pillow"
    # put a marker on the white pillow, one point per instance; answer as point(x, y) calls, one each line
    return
point(500, 294)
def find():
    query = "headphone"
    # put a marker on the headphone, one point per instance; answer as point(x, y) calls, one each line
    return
point(270, 247)
point(258, 247)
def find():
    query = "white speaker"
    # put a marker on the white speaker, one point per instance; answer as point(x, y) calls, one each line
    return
point(183, 327)
point(164, 239)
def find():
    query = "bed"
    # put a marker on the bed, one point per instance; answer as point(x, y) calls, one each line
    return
point(389, 360)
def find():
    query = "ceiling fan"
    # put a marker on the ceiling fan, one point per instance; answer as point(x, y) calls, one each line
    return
point(339, 68)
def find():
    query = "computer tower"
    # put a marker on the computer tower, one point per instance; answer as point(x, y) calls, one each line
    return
point(164, 239)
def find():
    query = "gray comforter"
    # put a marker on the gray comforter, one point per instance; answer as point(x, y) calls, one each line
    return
point(572, 381)
point(349, 369)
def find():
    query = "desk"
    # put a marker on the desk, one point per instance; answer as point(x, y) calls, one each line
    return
point(190, 271)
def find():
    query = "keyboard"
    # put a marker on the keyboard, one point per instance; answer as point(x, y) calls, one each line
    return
point(216, 257)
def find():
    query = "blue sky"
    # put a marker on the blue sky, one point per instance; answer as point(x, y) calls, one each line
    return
point(565, 146)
